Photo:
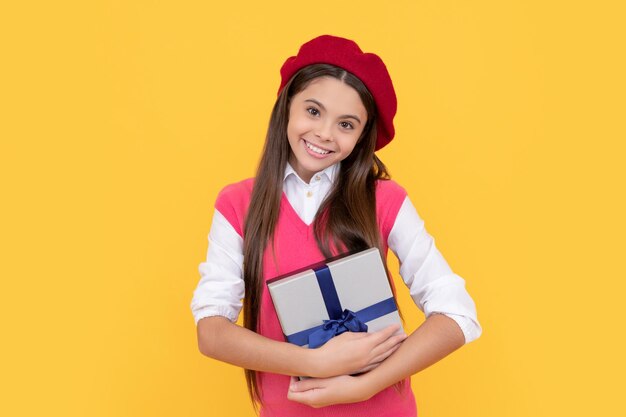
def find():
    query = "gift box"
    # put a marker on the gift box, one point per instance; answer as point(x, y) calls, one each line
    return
point(347, 293)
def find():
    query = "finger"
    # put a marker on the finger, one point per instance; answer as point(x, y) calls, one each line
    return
point(385, 355)
point(352, 335)
point(292, 381)
point(300, 397)
point(368, 368)
point(385, 333)
point(310, 398)
point(389, 344)
point(305, 384)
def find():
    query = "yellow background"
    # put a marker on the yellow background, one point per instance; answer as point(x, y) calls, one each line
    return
point(121, 120)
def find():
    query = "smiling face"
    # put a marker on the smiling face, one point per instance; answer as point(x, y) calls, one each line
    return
point(326, 120)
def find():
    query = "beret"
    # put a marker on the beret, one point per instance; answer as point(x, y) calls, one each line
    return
point(368, 67)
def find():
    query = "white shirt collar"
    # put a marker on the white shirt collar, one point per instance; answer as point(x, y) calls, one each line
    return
point(331, 172)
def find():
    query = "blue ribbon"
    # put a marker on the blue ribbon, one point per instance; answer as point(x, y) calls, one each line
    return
point(331, 328)
point(340, 320)
point(329, 292)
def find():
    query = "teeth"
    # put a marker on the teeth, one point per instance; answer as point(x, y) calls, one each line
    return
point(316, 149)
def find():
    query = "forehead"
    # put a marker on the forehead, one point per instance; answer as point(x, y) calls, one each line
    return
point(334, 95)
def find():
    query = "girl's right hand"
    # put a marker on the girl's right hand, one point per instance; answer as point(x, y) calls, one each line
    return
point(352, 353)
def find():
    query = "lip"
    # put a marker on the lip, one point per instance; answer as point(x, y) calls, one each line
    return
point(315, 154)
point(317, 146)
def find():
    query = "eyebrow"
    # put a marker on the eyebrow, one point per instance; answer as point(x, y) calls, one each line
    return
point(343, 116)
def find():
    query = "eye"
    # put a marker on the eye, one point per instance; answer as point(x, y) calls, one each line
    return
point(346, 125)
point(313, 111)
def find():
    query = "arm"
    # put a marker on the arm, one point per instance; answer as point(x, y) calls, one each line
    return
point(220, 339)
point(223, 340)
point(435, 289)
point(436, 338)
point(217, 303)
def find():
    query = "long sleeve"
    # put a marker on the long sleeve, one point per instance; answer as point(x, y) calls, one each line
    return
point(221, 286)
point(432, 284)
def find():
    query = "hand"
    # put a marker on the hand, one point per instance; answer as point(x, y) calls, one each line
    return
point(321, 392)
point(351, 353)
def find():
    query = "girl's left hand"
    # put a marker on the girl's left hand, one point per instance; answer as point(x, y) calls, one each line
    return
point(320, 392)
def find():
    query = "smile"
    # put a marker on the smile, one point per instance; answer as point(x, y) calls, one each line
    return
point(316, 149)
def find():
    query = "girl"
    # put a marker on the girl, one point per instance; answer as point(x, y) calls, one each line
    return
point(320, 190)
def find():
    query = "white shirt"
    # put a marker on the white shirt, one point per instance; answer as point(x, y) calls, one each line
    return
point(432, 284)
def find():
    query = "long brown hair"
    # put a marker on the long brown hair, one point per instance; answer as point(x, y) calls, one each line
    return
point(346, 219)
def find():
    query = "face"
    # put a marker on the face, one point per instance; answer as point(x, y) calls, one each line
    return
point(326, 120)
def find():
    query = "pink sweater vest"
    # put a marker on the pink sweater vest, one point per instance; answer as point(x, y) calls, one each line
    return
point(295, 248)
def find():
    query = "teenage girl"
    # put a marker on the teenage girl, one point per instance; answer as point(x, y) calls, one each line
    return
point(320, 190)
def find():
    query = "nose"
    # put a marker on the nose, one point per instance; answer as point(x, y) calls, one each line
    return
point(324, 131)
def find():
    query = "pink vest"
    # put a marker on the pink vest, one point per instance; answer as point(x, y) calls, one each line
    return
point(295, 248)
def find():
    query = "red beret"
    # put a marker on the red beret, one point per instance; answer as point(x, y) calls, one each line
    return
point(369, 68)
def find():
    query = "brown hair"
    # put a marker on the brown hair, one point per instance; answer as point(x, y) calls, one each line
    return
point(346, 219)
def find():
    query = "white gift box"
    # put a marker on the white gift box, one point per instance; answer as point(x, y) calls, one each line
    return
point(307, 298)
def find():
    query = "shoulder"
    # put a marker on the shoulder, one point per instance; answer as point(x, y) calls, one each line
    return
point(233, 201)
point(389, 189)
point(236, 190)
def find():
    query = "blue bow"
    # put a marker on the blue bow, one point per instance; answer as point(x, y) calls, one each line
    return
point(331, 328)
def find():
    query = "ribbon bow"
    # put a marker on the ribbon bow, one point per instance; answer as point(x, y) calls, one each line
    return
point(331, 328)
